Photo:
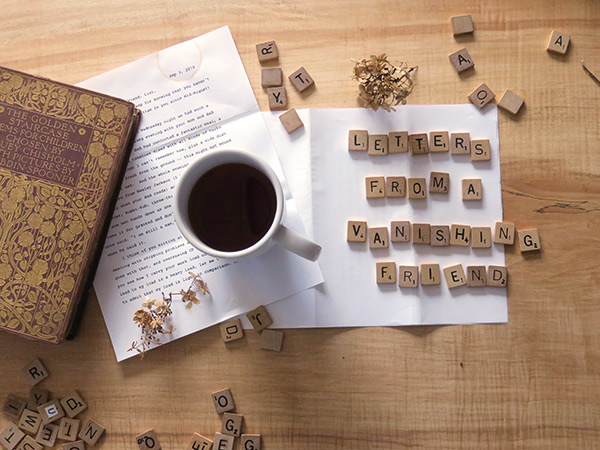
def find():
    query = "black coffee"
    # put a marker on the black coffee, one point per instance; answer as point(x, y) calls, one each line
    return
point(232, 207)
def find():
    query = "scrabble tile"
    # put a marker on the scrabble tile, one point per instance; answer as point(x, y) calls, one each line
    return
point(455, 276)
point(51, 411)
point(529, 240)
point(301, 80)
point(398, 142)
point(30, 422)
point(35, 372)
point(481, 237)
point(378, 237)
point(460, 235)
point(223, 442)
point(277, 98)
point(497, 276)
point(504, 233)
point(419, 144)
point(356, 231)
point(395, 187)
point(232, 423)
point(511, 102)
point(271, 77)
point(378, 144)
point(439, 183)
point(358, 140)
point(13, 406)
point(291, 121)
point(231, 330)
point(400, 231)
point(68, 428)
point(148, 440)
point(223, 401)
point(430, 274)
point(37, 396)
point(11, 436)
point(91, 432)
point(250, 441)
point(476, 276)
point(271, 340)
point(462, 25)
point(472, 189)
point(73, 404)
point(259, 318)
point(408, 276)
point(29, 443)
point(47, 434)
point(267, 51)
point(481, 96)
point(386, 272)
point(200, 442)
point(480, 150)
point(440, 235)
point(375, 187)
point(77, 445)
point(417, 188)
point(558, 43)
point(461, 60)
point(421, 233)
point(439, 141)
point(460, 143)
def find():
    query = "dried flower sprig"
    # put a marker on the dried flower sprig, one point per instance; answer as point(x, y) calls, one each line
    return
point(381, 84)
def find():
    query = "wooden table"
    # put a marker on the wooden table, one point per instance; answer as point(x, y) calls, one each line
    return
point(533, 383)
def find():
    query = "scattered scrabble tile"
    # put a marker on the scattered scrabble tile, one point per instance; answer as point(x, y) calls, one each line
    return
point(419, 144)
point(430, 274)
point(455, 276)
point(461, 60)
point(30, 421)
point(378, 144)
point(511, 102)
point(400, 231)
point(200, 442)
point(481, 237)
point(357, 231)
point(37, 396)
point(358, 140)
point(148, 440)
point(301, 79)
point(440, 235)
point(386, 272)
point(417, 188)
point(259, 318)
point(223, 442)
point(271, 340)
point(277, 98)
point(51, 411)
point(504, 233)
point(267, 51)
point(29, 443)
point(232, 423)
point(375, 187)
point(460, 235)
point(91, 432)
point(291, 120)
point(558, 43)
point(250, 442)
point(462, 25)
point(439, 141)
point(497, 276)
point(421, 233)
point(378, 237)
point(35, 372)
point(68, 429)
point(480, 150)
point(460, 144)
point(398, 142)
point(481, 96)
point(47, 434)
point(231, 330)
point(271, 77)
point(529, 240)
point(11, 436)
point(223, 401)
point(78, 445)
point(73, 404)
point(439, 182)
point(395, 187)
point(472, 189)
point(408, 276)
point(13, 406)
point(476, 276)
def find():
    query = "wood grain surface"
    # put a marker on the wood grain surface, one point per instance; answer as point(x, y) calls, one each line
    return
point(533, 383)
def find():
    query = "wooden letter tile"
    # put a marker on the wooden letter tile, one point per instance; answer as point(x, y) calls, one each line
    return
point(259, 318)
point(462, 25)
point(232, 423)
point(378, 144)
point(386, 272)
point(558, 43)
point(439, 182)
point(421, 233)
point(223, 401)
point(529, 240)
point(460, 235)
point(398, 142)
point(47, 435)
point(504, 233)
point(378, 237)
point(37, 396)
point(395, 187)
point(271, 340)
point(78, 445)
point(223, 442)
point(481, 96)
point(271, 77)
point(476, 276)
point(291, 121)
point(472, 189)
point(460, 143)
point(461, 60)
point(200, 442)
point(497, 276)
point(358, 140)
point(231, 330)
point(417, 188)
point(11, 436)
point(419, 144)
point(455, 276)
point(481, 237)
point(357, 231)
point(430, 274)
point(30, 422)
point(375, 187)
point(13, 406)
point(148, 441)
point(301, 79)
point(480, 150)
point(277, 98)
point(440, 235)
point(511, 102)
point(408, 276)
point(34, 372)
point(73, 404)
point(91, 432)
point(400, 231)
point(267, 51)
point(29, 443)
point(68, 428)
point(439, 141)
point(51, 411)
point(250, 441)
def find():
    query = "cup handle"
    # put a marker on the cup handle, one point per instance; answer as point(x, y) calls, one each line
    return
point(298, 243)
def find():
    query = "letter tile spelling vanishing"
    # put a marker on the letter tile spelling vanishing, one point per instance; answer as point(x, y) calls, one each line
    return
point(356, 231)
point(440, 235)
point(480, 150)
point(529, 240)
point(400, 231)
point(481, 237)
point(504, 233)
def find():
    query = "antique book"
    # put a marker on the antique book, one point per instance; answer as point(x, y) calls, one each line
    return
point(63, 152)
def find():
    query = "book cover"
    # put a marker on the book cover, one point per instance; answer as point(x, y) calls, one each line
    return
point(63, 152)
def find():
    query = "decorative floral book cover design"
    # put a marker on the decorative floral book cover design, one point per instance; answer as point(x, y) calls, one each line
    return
point(62, 155)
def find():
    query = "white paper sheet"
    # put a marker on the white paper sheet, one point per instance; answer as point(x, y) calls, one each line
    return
point(195, 97)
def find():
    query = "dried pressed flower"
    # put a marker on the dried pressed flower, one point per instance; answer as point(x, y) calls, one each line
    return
point(381, 84)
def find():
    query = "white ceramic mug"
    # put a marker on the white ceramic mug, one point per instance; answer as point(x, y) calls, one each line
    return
point(277, 232)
